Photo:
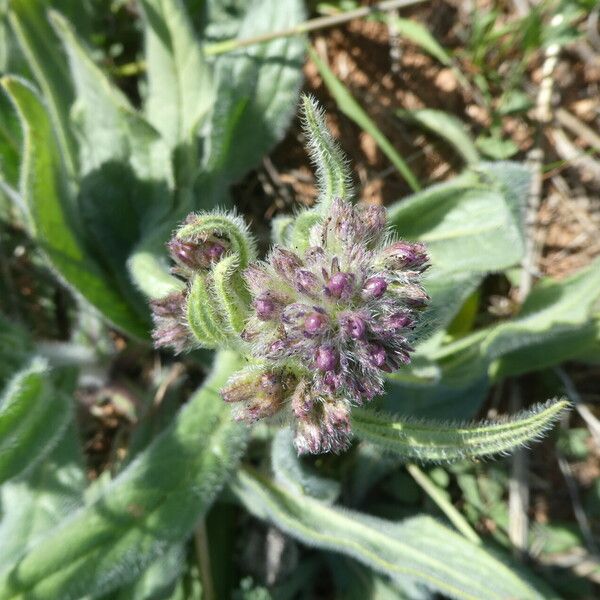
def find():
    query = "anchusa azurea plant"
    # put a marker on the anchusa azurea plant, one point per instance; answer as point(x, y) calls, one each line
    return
point(330, 311)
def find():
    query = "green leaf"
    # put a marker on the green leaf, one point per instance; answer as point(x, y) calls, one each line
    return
point(43, 52)
point(16, 348)
point(295, 476)
point(468, 224)
point(447, 126)
point(32, 505)
point(352, 109)
point(180, 86)
point(496, 148)
point(434, 441)
point(153, 504)
point(33, 416)
point(257, 88)
point(158, 580)
point(555, 324)
point(418, 548)
point(46, 192)
point(109, 127)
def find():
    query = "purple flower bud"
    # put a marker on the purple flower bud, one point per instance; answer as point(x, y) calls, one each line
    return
point(375, 287)
point(302, 399)
point(265, 308)
point(306, 282)
point(326, 358)
point(399, 321)
point(169, 324)
point(377, 355)
point(353, 325)
point(373, 219)
point(214, 251)
point(270, 385)
point(402, 255)
point(196, 255)
point(341, 285)
point(315, 323)
point(186, 254)
point(285, 263)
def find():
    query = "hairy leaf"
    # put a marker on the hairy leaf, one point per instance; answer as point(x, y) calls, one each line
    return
point(295, 476)
point(110, 128)
point(180, 86)
point(32, 505)
point(153, 504)
point(431, 441)
point(47, 193)
point(257, 88)
point(33, 417)
point(43, 52)
point(418, 548)
point(468, 224)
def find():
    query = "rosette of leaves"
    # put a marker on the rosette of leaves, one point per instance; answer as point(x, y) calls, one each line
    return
point(330, 311)
point(102, 181)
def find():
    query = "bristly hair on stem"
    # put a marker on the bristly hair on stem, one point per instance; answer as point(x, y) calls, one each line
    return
point(333, 171)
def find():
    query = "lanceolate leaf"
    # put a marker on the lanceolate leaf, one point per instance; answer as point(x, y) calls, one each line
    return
point(431, 441)
point(33, 417)
point(418, 548)
point(180, 87)
point(153, 504)
point(468, 224)
point(42, 49)
point(448, 127)
point(257, 88)
point(45, 188)
point(110, 128)
point(36, 502)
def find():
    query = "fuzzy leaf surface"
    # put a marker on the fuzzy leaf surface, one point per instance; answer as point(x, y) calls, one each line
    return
point(439, 442)
point(418, 548)
point(42, 50)
point(257, 88)
point(33, 504)
point(33, 417)
point(180, 87)
point(47, 194)
point(152, 505)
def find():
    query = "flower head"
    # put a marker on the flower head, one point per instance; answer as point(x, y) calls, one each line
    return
point(339, 314)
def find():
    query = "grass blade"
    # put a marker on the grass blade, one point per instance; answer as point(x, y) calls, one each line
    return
point(352, 109)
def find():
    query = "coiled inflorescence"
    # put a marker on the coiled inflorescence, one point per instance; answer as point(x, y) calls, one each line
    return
point(338, 314)
point(320, 321)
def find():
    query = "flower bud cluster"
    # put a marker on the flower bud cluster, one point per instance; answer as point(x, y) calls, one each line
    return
point(338, 315)
point(194, 250)
point(320, 326)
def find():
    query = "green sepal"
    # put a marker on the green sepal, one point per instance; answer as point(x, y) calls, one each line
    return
point(203, 317)
point(231, 293)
